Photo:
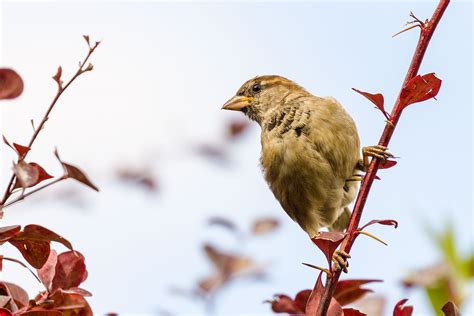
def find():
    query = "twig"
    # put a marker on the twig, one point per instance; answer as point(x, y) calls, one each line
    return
point(24, 195)
point(426, 33)
point(37, 130)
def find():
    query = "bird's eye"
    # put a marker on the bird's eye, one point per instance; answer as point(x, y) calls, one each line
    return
point(256, 88)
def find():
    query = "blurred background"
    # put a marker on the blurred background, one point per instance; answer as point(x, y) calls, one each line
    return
point(180, 182)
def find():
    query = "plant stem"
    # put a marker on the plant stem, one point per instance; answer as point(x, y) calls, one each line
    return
point(24, 195)
point(426, 33)
point(80, 70)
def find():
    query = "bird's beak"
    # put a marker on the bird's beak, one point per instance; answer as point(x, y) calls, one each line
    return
point(237, 103)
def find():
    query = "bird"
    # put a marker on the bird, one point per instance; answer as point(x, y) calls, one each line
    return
point(310, 152)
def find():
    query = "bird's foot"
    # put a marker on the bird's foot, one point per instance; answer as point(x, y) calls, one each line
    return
point(340, 259)
point(376, 151)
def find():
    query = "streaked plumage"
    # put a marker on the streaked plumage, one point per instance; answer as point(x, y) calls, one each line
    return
point(310, 148)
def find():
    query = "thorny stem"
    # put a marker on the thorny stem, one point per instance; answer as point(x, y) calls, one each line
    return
point(426, 33)
point(37, 130)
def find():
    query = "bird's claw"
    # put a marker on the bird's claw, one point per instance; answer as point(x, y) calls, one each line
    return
point(377, 151)
point(340, 260)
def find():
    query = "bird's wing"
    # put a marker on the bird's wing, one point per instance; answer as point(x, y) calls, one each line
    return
point(334, 135)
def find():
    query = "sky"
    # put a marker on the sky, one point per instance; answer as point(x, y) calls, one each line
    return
point(161, 75)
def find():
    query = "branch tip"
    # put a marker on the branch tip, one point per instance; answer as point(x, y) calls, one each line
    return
point(427, 29)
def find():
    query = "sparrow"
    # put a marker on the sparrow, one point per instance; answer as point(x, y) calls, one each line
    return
point(310, 154)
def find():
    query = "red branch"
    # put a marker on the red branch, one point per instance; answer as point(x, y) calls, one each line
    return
point(427, 30)
point(37, 130)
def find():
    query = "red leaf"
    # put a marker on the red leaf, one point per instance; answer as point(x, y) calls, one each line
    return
point(231, 264)
point(47, 271)
point(70, 304)
point(301, 299)
point(75, 173)
point(450, 309)
point(349, 291)
point(34, 232)
point(223, 222)
point(236, 128)
point(401, 310)
point(26, 174)
point(385, 164)
point(142, 177)
point(70, 271)
point(34, 244)
point(314, 298)
point(376, 99)
point(21, 150)
point(29, 174)
point(8, 232)
point(18, 294)
point(420, 88)
point(5, 298)
point(217, 153)
point(387, 222)
point(43, 313)
point(212, 283)
point(78, 290)
point(264, 225)
point(334, 309)
point(5, 312)
point(284, 304)
point(352, 312)
point(11, 84)
point(328, 243)
point(35, 252)
point(42, 174)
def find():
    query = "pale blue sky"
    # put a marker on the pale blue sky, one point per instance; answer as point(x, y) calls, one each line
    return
point(161, 76)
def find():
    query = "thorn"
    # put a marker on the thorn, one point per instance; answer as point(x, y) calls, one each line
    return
point(389, 122)
point(406, 29)
point(417, 23)
point(372, 236)
point(33, 125)
point(318, 268)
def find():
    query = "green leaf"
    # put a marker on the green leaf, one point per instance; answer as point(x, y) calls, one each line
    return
point(438, 296)
point(468, 267)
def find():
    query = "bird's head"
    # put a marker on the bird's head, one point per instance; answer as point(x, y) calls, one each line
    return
point(260, 96)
